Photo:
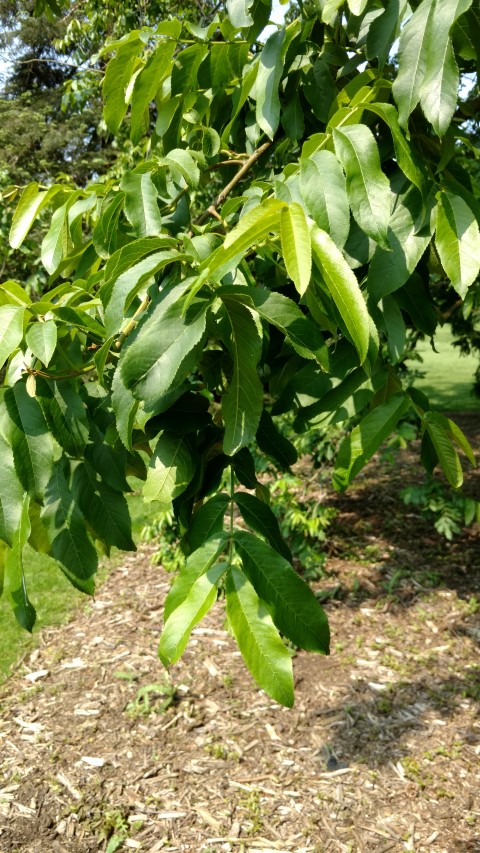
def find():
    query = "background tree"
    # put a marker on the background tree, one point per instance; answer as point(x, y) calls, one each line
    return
point(280, 231)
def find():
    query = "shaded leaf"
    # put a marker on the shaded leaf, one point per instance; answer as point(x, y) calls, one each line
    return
point(11, 330)
point(170, 470)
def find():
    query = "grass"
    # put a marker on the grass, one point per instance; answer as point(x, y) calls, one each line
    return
point(53, 596)
point(447, 376)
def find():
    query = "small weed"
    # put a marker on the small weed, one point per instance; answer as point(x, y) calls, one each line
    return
point(218, 750)
point(152, 699)
point(254, 810)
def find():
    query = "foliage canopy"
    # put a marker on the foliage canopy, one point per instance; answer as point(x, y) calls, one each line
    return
point(274, 243)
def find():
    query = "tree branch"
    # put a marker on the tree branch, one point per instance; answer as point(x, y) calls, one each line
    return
point(211, 209)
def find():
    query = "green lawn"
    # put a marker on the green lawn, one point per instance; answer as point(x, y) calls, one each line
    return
point(54, 598)
point(448, 376)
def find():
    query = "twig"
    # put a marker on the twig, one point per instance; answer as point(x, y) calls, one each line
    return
point(210, 211)
point(132, 323)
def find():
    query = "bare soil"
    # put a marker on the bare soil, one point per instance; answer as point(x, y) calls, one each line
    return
point(101, 752)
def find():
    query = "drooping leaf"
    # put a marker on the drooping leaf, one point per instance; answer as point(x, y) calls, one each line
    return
point(207, 521)
point(125, 407)
point(412, 60)
point(197, 564)
point(359, 446)
point(105, 233)
point(271, 441)
point(323, 188)
point(14, 573)
point(11, 330)
point(261, 518)
point(198, 601)
point(293, 606)
point(11, 495)
point(243, 402)
point(439, 90)
point(105, 509)
point(117, 77)
point(383, 32)
point(65, 414)
point(344, 288)
point(251, 228)
point(170, 471)
point(296, 246)
point(263, 651)
point(26, 431)
point(446, 453)
point(71, 545)
point(147, 83)
point(368, 188)
point(269, 75)
point(394, 327)
point(458, 241)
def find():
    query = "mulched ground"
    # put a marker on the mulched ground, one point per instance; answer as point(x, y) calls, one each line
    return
point(101, 752)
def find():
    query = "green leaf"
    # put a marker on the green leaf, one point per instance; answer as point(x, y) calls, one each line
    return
point(125, 407)
point(394, 327)
point(109, 462)
point(458, 241)
point(31, 202)
point(105, 233)
point(127, 256)
point(239, 13)
point(243, 402)
point(447, 455)
point(26, 431)
point(170, 471)
point(207, 521)
point(412, 60)
point(141, 208)
point(357, 448)
point(65, 414)
point(323, 188)
point(105, 509)
point(439, 90)
point(11, 330)
point(271, 441)
point(197, 564)
point(296, 246)
point(117, 77)
point(11, 496)
point(57, 241)
point(260, 517)
point(263, 651)
point(178, 627)
point(123, 290)
point(182, 162)
point(388, 271)
point(251, 229)
point(269, 75)
point(283, 313)
point(164, 352)
point(71, 545)
point(404, 152)
point(147, 83)
point(14, 574)
point(454, 433)
point(293, 606)
point(344, 288)
point(383, 32)
point(292, 118)
point(41, 338)
point(368, 188)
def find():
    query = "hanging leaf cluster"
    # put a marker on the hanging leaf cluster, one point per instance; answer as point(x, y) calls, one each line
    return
point(269, 252)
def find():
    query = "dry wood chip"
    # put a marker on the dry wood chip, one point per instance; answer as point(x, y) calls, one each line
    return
point(272, 733)
point(34, 676)
point(91, 761)
point(132, 844)
point(170, 815)
point(65, 781)
point(208, 818)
